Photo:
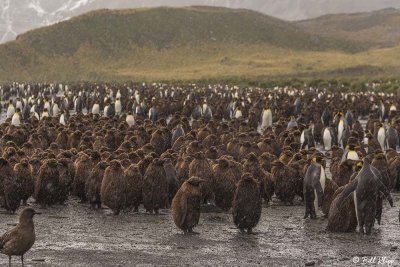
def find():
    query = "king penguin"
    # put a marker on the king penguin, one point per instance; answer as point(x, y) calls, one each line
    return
point(266, 118)
point(16, 118)
point(382, 136)
point(130, 120)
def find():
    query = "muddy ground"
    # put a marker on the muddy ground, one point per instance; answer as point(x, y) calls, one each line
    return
point(74, 235)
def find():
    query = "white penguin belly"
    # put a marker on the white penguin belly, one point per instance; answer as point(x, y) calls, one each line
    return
point(10, 112)
point(365, 141)
point(56, 110)
point(302, 138)
point(266, 119)
point(62, 120)
point(130, 120)
point(352, 155)
point(340, 131)
point(15, 120)
point(327, 139)
point(118, 107)
point(238, 114)
point(381, 138)
point(96, 109)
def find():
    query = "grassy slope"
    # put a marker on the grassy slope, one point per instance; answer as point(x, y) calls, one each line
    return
point(185, 44)
point(377, 29)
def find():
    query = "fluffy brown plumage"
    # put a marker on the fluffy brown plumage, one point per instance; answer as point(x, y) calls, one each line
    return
point(113, 187)
point(186, 205)
point(342, 219)
point(200, 167)
point(47, 184)
point(93, 184)
point(9, 190)
point(246, 207)
point(284, 181)
point(82, 172)
point(225, 185)
point(24, 178)
point(155, 187)
point(173, 184)
point(134, 180)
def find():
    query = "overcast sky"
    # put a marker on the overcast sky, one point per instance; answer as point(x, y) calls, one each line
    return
point(18, 16)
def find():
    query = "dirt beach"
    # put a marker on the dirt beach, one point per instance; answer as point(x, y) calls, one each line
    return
point(74, 235)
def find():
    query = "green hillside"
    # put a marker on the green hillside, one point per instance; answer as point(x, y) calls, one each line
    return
point(182, 44)
point(377, 29)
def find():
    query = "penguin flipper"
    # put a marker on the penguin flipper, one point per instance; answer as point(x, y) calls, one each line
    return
point(346, 192)
point(184, 212)
point(382, 188)
point(320, 193)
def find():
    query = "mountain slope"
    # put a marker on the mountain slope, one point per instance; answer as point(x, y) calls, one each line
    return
point(376, 29)
point(19, 16)
point(179, 43)
point(113, 31)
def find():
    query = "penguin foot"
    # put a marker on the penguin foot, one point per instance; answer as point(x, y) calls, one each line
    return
point(250, 232)
point(191, 232)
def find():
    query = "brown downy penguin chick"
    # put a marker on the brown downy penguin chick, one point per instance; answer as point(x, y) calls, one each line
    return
point(194, 147)
point(62, 139)
point(74, 139)
point(67, 173)
point(157, 140)
point(84, 166)
point(212, 153)
point(225, 185)
point(329, 192)
point(10, 188)
point(342, 219)
point(186, 205)
point(373, 144)
point(134, 180)
point(173, 184)
point(182, 169)
point(25, 181)
point(20, 239)
point(47, 183)
point(144, 164)
point(155, 187)
point(36, 164)
point(265, 161)
point(299, 163)
point(200, 167)
point(343, 172)
point(113, 187)
point(252, 165)
point(246, 206)
point(93, 184)
point(284, 181)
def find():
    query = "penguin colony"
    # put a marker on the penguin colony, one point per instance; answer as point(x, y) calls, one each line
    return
point(182, 147)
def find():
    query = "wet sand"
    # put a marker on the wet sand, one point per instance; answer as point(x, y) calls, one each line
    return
point(75, 235)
